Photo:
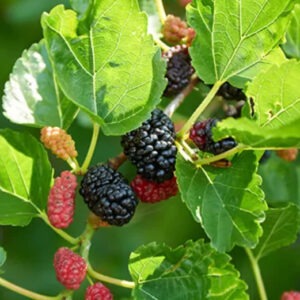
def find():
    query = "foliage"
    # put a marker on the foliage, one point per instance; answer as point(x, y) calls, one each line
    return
point(99, 63)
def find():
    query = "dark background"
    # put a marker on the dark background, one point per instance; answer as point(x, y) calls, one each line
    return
point(30, 249)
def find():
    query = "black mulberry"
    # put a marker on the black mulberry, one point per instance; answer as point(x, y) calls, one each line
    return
point(179, 69)
point(229, 92)
point(201, 135)
point(108, 195)
point(151, 147)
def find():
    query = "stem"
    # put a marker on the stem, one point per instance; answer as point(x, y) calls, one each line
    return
point(60, 232)
point(73, 163)
point(160, 10)
point(209, 160)
point(170, 109)
point(117, 161)
point(119, 282)
point(199, 109)
point(88, 158)
point(29, 294)
point(86, 241)
point(161, 44)
point(257, 275)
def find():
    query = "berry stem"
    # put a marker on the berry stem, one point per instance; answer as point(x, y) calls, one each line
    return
point(60, 232)
point(176, 102)
point(73, 163)
point(160, 10)
point(27, 293)
point(115, 281)
point(88, 158)
point(257, 274)
point(86, 241)
point(193, 118)
point(161, 44)
point(209, 160)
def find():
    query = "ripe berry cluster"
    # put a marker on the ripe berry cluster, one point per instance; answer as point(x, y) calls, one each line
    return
point(201, 135)
point(108, 195)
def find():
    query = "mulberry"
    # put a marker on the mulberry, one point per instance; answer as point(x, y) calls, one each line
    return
point(179, 69)
point(108, 195)
point(59, 142)
point(70, 268)
point(201, 135)
point(151, 192)
point(61, 200)
point(151, 147)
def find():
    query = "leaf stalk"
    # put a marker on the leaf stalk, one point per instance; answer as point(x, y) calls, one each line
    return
point(183, 132)
point(257, 275)
point(27, 293)
point(88, 158)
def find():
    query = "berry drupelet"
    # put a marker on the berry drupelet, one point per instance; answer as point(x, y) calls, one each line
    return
point(151, 147)
point(108, 195)
point(179, 69)
point(98, 291)
point(61, 200)
point(201, 135)
point(152, 192)
point(70, 268)
point(229, 92)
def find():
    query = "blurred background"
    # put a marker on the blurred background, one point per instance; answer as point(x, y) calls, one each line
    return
point(30, 249)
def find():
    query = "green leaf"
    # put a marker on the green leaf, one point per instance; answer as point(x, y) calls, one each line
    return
point(31, 94)
point(111, 69)
point(275, 57)
point(281, 180)
point(292, 45)
point(199, 271)
point(280, 229)
point(234, 36)
point(25, 177)
point(276, 95)
point(227, 202)
point(252, 135)
point(2, 256)
point(276, 110)
point(154, 24)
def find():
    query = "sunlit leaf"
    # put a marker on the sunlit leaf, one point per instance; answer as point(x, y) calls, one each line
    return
point(32, 96)
point(234, 36)
point(22, 165)
point(107, 65)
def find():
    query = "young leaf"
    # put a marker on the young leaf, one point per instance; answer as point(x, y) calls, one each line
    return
point(234, 36)
point(108, 65)
point(199, 271)
point(249, 133)
point(280, 229)
point(276, 110)
point(227, 202)
point(31, 94)
point(292, 45)
point(23, 164)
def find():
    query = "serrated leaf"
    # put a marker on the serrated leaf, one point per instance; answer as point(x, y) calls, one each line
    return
point(249, 133)
point(25, 177)
point(31, 94)
point(280, 229)
point(292, 45)
point(2, 256)
point(276, 110)
point(199, 271)
point(228, 203)
point(111, 69)
point(234, 36)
